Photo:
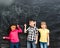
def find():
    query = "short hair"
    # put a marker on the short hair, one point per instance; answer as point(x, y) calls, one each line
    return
point(32, 20)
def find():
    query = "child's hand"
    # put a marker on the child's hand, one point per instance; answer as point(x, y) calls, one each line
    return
point(17, 25)
point(25, 25)
point(48, 43)
point(35, 42)
point(3, 37)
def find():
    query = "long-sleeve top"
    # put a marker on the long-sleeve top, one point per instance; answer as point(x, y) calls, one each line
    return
point(13, 36)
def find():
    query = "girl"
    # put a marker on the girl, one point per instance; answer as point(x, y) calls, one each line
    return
point(13, 36)
point(44, 35)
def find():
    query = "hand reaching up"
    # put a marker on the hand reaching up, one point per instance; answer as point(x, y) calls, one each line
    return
point(18, 26)
point(25, 25)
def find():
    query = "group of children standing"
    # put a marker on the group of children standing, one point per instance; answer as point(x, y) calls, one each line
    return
point(32, 37)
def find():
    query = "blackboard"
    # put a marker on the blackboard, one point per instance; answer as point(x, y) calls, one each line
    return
point(20, 11)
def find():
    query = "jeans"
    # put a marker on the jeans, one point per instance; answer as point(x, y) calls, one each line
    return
point(31, 44)
point(43, 45)
point(16, 45)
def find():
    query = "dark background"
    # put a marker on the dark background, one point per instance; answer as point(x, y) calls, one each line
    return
point(20, 11)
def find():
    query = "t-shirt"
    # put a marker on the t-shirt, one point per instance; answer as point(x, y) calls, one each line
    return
point(43, 35)
point(32, 33)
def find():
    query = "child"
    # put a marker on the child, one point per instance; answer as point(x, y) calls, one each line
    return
point(44, 35)
point(13, 36)
point(32, 34)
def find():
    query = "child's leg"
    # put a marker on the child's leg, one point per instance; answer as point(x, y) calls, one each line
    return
point(41, 45)
point(28, 44)
point(11, 45)
point(17, 45)
point(33, 44)
point(45, 45)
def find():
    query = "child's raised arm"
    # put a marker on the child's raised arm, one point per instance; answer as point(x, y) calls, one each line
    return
point(19, 29)
point(25, 30)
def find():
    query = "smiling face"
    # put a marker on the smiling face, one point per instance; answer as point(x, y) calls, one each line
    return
point(43, 25)
point(13, 27)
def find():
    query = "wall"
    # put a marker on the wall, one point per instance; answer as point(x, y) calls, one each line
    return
point(19, 11)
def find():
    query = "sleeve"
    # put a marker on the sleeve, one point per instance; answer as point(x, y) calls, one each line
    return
point(7, 37)
point(39, 30)
point(36, 31)
point(28, 28)
point(48, 31)
point(19, 30)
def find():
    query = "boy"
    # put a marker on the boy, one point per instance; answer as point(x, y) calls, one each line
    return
point(32, 34)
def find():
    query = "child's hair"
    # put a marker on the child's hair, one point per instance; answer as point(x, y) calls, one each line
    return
point(31, 20)
point(12, 25)
point(43, 22)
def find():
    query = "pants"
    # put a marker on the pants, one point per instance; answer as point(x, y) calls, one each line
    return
point(43, 45)
point(31, 44)
point(16, 45)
